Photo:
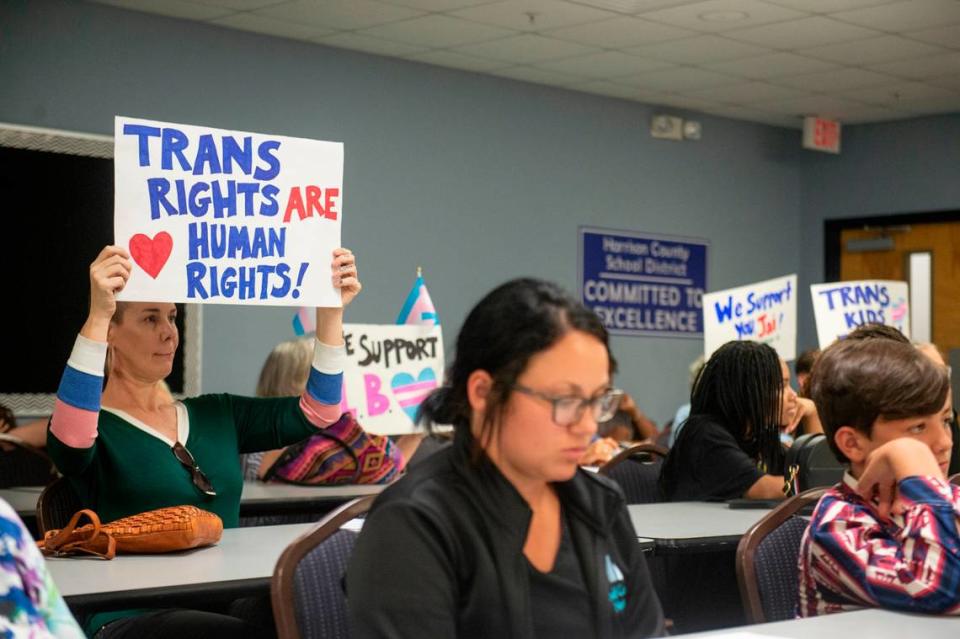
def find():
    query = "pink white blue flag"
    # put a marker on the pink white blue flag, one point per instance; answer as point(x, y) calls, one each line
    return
point(304, 321)
point(418, 308)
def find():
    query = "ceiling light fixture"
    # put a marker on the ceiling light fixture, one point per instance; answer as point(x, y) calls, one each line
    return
point(723, 16)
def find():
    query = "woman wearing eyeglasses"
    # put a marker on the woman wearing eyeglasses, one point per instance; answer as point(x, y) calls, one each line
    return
point(501, 534)
point(132, 448)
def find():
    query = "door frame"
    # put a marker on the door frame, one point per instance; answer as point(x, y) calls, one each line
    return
point(832, 230)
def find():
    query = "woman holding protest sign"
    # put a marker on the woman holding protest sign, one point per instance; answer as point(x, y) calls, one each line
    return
point(730, 445)
point(131, 449)
point(502, 534)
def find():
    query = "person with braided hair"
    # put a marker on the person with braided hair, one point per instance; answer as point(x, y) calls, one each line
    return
point(730, 447)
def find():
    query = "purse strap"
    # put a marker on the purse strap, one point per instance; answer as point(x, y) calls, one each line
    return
point(88, 540)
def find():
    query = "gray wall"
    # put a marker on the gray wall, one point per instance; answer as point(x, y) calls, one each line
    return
point(897, 167)
point(477, 179)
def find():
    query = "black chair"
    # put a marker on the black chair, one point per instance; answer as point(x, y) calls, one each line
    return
point(637, 470)
point(23, 465)
point(767, 556)
point(306, 590)
point(57, 504)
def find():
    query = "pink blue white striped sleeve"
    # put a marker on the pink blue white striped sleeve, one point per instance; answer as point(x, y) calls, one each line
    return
point(911, 563)
point(320, 401)
point(77, 407)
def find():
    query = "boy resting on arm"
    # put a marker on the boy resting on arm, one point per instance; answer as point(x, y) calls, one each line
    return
point(886, 536)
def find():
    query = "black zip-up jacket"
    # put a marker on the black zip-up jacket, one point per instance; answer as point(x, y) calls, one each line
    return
point(441, 555)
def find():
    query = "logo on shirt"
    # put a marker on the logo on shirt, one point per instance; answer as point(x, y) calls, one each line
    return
point(618, 589)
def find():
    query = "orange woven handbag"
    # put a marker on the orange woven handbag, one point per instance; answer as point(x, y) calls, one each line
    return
point(155, 531)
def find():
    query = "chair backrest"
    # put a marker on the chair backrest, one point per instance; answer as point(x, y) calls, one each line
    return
point(767, 557)
point(23, 465)
point(637, 470)
point(56, 505)
point(955, 479)
point(307, 590)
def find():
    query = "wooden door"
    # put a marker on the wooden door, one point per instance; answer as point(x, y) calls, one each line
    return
point(942, 240)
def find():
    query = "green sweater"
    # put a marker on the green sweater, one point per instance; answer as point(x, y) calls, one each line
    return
point(129, 471)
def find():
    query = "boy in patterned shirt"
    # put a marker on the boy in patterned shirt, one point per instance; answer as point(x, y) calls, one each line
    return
point(887, 535)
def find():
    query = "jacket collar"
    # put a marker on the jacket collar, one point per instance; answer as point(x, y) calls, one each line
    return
point(584, 497)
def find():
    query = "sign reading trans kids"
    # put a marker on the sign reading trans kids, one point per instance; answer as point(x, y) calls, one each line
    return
point(226, 217)
point(840, 307)
point(390, 370)
point(642, 284)
point(763, 312)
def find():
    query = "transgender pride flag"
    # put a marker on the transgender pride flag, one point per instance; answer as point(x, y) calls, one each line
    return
point(418, 308)
point(305, 321)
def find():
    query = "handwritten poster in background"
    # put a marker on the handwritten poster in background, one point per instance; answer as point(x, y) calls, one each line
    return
point(226, 217)
point(643, 284)
point(390, 370)
point(762, 312)
point(840, 307)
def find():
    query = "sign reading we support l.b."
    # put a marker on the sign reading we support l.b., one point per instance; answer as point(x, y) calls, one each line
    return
point(390, 370)
point(840, 307)
point(227, 217)
point(762, 312)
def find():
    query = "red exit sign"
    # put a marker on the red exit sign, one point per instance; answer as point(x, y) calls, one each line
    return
point(821, 134)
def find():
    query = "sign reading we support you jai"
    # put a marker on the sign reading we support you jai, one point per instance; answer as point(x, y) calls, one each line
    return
point(228, 217)
point(840, 307)
point(763, 312)
point(390, 370)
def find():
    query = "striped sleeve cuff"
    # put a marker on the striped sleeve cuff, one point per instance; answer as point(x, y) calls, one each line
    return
point(329, 359)
point(88, 356)
point(82, 381)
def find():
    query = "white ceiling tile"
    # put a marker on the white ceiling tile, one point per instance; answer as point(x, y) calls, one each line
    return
point(930, 106)
point(821, 105)
point(538, 76)
point(722, 15)
point(368, 44)
point(436, 6)
point(437, 31)
point(798, 34)
point(685, 102)
point(616, 90)
point(269, 26)
point(526, 49)
point(770, 66)
point(948, 36)
point(607, 64)
point(871, 50)
point(338, 14)
point(619, 32)
point(947, 81)
point(907, 15)
point(699, 50)
point(457, 61)
point(171, 8)
point(919, 68)
point(894, 95)
point(632, 6)
point(746, 93)
point(754, 115)
point(678, 79)
point(835, 80)
point(827, 6)
point(871, 113)
point(239, 5)
point(532, 15)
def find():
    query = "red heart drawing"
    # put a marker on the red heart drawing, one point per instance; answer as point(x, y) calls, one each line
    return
point(149, 254)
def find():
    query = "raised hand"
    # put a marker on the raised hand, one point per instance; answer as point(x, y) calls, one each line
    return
point(108, 275)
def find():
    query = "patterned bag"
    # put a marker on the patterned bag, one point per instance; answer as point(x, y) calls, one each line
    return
point(342, 453)
point(155, 531)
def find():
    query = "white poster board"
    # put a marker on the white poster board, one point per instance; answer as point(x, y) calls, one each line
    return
point(840, 307)
point(226, 217)
point(762, 312)
point(390, 370)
